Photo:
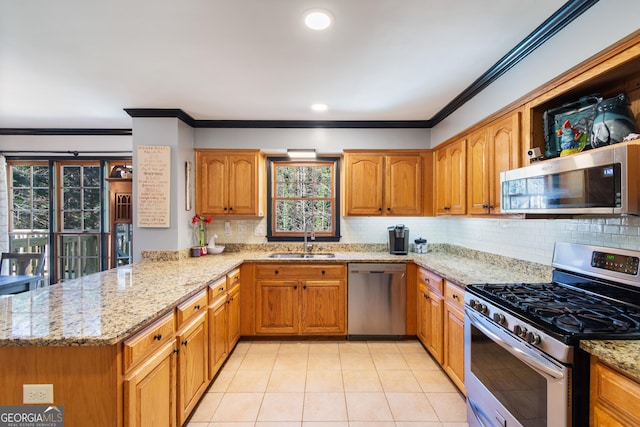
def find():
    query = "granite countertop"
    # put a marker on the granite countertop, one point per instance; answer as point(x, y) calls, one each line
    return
point(621, 354)
point(105, 308)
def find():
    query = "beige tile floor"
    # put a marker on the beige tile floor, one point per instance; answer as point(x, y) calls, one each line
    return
point(332, 384)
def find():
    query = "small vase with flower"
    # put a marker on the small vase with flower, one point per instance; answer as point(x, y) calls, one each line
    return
point(201, 223)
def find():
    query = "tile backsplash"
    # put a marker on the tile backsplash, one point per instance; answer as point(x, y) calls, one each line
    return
point(530, 239)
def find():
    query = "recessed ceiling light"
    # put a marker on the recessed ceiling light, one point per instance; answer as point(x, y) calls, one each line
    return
point(318, 19)
point(319, 107)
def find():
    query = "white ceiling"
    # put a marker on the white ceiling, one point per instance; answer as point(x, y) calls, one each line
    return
point(79, 63)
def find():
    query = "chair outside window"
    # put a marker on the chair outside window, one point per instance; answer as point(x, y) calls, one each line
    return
point(29, 263)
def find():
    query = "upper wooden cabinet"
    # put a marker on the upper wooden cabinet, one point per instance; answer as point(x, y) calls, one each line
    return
point(450, 172)
point(230, 182)
point(382, 183)
point(492, 149)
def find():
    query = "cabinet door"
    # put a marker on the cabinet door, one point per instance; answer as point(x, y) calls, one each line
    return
point(434, 329)
point(193, 362)
point(504, 135)
point(243, 185)
point(443, 182)
point(276, 307)
point(150, 390)
point(422, 299)
point(218, 349)
point(458, 158)
point(323, 307)
point(478, 173)
point(212, 186)
point(233, 317)
point(363, 184)
point(454, 344)
point(451, 179)
point(403, 185)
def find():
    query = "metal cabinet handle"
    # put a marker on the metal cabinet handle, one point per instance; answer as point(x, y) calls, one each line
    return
point(185, 342)
point(157, 337)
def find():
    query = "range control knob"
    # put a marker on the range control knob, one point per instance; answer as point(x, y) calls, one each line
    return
point(482, 308)
point(533, 338)
point(473, 303)
point(499, 318)
point(520, 331)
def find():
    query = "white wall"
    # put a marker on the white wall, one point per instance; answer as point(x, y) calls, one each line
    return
point(177, 135)
point(93, 143)
point(599, 27)
point(274, 141)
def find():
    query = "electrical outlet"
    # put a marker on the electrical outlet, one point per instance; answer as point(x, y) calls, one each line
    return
point(227, 228)
point(37, 393)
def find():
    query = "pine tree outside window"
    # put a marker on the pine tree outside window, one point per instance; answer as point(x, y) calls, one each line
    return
point(303, 195)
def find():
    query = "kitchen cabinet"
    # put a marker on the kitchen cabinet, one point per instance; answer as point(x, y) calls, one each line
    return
point(230, 182)
point(492, 149)
point(193, 350)
point(450, 172)
point(430, 313)
point(454, 334)
point(223, 319)
point(233, 309)
point(305, 299)
point(614, 397)
point(383, 184)
point(217, 312)
point(150, 380)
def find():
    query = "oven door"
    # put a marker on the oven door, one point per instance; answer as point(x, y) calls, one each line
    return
point(510, 383)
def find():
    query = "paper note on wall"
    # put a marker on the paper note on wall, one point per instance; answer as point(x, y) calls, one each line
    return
point(154, 186)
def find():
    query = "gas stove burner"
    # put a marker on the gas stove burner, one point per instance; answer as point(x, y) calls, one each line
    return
point(570, 310)
point(607, 320)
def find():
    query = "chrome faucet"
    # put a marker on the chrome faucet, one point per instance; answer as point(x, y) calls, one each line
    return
point(308, 227)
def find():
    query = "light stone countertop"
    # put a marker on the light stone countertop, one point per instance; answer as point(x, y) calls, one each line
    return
point(621, 354)
point(105, 308)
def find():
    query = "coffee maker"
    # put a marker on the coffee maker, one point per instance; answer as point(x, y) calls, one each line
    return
point(398, 239)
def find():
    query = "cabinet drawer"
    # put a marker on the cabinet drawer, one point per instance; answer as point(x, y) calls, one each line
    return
point(233, 278)
point(431, 279)
point(615, 391)
point(300, 271)
point(190, 307)
point(216, 288)
point(148, 340)
point(454, 294)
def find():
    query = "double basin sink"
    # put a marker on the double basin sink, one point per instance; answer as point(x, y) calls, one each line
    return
point(299, 255)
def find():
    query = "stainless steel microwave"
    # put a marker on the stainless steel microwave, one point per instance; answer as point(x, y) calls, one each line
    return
point(599, 181)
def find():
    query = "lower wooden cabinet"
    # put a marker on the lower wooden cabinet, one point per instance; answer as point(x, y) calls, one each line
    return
point(217, 334)
point(300, 299)
point(150, 375)
point(233, 316)
point(430, 312)
point(615, 398)
point(454, 334)
point(193, 377)
point(150, 390)
point(440, 315)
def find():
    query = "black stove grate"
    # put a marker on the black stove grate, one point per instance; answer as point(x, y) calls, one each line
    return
point(567, 310)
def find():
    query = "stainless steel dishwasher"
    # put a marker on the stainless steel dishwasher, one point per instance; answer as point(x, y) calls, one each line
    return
point(377, 301)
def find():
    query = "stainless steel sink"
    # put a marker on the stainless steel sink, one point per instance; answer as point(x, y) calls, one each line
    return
point(298, 255)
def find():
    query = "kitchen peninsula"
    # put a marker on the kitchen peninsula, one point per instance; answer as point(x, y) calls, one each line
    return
point(74, 335)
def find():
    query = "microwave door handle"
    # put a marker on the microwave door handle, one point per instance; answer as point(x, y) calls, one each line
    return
point(537, 363)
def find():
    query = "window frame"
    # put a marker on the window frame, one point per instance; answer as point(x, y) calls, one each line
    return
point(299, 236)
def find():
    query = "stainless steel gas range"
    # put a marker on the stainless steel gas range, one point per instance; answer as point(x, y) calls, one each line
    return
point(523, 364)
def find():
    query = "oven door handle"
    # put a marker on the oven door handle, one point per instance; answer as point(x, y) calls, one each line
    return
point(477, 412)
point(538, 363)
